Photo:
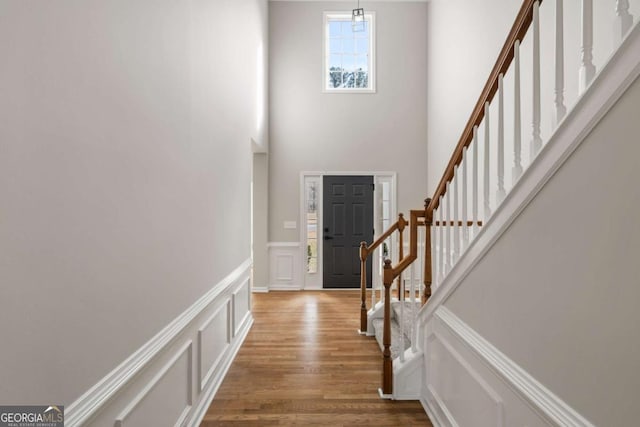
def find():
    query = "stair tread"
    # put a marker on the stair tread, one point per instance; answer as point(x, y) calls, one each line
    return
point(397, 344)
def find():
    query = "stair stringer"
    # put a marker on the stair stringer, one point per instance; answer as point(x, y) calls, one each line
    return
point(407, 376)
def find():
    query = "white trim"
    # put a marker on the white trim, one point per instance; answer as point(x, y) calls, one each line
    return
point(371, 17)
point(204, 380)
point(101, 394)
point(554, 409)
point(614, 79)
point(443, 408)
point(188, 347)
point(435, 420)
point(207, 396)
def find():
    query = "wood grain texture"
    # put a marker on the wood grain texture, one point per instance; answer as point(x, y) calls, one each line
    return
point(303, 363)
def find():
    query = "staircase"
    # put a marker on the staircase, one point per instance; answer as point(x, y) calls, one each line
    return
point(474, 204)
point(401, 335)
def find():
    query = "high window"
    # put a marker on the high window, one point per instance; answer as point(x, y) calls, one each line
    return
point(349, 56)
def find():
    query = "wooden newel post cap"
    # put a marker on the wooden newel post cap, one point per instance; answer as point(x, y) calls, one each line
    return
point(427, 202)
point(400, 215)
point(387, 263)
point(363, 244)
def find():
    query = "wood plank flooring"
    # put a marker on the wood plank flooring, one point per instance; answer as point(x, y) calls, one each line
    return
point(303, 363)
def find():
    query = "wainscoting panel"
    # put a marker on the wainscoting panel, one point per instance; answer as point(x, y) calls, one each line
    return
point(285, 266)
point(173, 378)
point(167, 399)
point(241, 302)
point(469, 382)
point(214, 338)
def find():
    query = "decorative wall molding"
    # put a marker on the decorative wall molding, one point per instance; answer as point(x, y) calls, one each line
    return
point(188, 349)
point(608, 86)
point(121, 391)
point(218, 323)
point(285, 271)
point(546, 403)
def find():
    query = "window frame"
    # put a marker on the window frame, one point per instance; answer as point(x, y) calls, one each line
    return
point(370, 16)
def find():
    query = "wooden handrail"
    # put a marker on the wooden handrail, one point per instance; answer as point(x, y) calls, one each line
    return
point(365, 251)
point(518, 31)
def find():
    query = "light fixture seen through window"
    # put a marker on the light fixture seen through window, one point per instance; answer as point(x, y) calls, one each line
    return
point(357, 19)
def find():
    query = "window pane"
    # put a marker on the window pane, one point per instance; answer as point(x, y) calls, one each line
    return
point(335, 61)
point(334, 28)
point(312, 256)
point(348, 62)
point(385, 191)
point(347, 59)
point(335, 45)
point(348, 80)
point(311, 197)
point(346, 28)
point(312, 265)
point(348, 45)
point(362, 79)
point(385, 210)
point(335, 78)
point(362, 46)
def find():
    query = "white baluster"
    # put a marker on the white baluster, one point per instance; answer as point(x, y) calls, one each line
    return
point(441, 250)
point(435, 252)
point(402, 322)
point(500, 193)
point(587, 69)
point(449, 252)
point(374, 279)
point(465, 217)
point(412, 300)
point(516, 171)
point(487, 151)
point(559, 108)
point(623, 22)
point(536, 142)
point(421, 255)
point(456, 218)
point(474, 183)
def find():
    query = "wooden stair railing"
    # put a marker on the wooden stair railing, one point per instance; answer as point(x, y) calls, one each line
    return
point(527, 14)
point(365, 251)
point(517, 33)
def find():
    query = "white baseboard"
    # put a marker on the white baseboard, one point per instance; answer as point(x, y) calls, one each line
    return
point(260, 289)
point(177, 372)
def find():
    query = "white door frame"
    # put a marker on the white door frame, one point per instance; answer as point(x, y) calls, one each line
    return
point(313, 281)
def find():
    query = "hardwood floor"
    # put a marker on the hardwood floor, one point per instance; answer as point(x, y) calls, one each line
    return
point(303, 363)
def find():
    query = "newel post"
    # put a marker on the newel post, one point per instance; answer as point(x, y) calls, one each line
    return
point(363, 287)
point(428, 222)
point(387, 363)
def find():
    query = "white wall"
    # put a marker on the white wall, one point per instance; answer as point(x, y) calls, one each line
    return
point(459, 63)
point(312, 130)
point(124, 176)
point(548, 316)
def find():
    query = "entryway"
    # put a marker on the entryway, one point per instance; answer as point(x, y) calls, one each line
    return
point(345, 208)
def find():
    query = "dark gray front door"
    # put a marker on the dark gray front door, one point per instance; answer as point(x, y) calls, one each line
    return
point(347, 221)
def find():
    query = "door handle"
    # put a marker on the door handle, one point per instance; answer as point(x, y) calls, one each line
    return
point(328, 237)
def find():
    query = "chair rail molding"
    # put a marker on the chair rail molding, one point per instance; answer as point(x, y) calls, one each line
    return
point(165, 364)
